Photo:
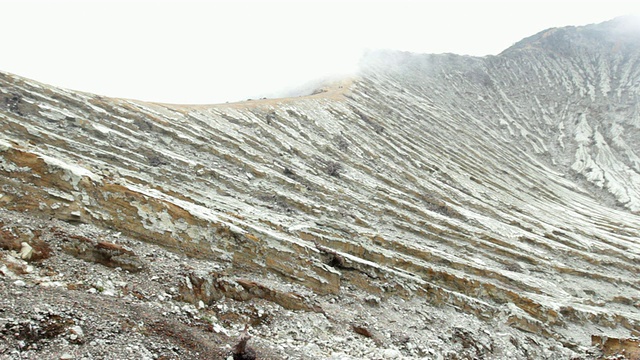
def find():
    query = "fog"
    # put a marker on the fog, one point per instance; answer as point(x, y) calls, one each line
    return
point(212, 52)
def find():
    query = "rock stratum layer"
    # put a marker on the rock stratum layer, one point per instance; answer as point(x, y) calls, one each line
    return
point(488, 207)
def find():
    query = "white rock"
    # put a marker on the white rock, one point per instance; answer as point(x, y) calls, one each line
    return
point(201, 304)
point(66, 356)
point(26, 252)
point(76, 330)
point(391, 354)
point(19, 283)
point(52, 284)
point(219, 329)
point(190, 309)
point(372, 300)
point(4, 270)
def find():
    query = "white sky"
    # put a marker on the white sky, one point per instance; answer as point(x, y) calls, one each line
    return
point(215, 51)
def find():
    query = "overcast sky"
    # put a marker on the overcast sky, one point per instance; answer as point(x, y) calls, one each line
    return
point(215, 51)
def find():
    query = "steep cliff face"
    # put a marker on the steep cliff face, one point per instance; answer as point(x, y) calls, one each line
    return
point(504, 187)
point(567, 96)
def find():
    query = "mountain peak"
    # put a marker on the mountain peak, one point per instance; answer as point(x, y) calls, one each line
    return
point(608, 35)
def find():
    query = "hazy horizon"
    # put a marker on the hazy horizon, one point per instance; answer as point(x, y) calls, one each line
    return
point(213, 52)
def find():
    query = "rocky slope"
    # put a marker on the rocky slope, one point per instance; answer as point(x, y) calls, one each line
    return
point(436, 206)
